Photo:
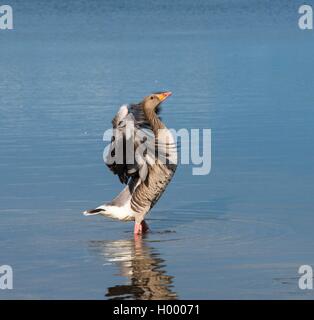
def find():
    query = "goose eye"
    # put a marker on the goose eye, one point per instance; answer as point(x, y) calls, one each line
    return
point(151, 98)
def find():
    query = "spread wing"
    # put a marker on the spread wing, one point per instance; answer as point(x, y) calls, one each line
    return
point(134, 147)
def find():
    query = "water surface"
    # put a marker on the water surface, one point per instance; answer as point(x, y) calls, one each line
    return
point(241, 68)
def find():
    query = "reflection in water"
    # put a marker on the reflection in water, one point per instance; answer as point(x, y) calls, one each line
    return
point(141, 264)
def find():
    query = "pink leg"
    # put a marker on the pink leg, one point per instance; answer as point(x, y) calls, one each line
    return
point(140, 228)
point(137, 228)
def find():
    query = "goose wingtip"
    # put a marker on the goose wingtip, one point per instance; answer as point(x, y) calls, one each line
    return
point(93, 212)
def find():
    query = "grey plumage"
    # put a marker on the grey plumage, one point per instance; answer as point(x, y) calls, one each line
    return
point(147, 169)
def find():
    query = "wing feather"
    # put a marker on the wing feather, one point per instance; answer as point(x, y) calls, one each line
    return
point(133, 145)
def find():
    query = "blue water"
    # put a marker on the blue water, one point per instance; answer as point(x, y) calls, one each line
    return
point(241, 68)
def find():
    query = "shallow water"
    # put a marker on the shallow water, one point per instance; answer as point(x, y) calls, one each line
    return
point(241, 68)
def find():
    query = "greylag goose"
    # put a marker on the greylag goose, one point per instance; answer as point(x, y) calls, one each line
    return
point(143, 154)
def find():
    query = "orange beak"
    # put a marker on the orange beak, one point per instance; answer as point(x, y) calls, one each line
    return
point(164, 95)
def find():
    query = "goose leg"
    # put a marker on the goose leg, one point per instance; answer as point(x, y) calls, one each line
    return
point(140, 228)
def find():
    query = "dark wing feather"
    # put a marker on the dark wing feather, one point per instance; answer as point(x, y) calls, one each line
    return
point(116, 157)
point(141, 142)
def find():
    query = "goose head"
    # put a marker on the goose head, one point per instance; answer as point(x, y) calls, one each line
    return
point(151, 102)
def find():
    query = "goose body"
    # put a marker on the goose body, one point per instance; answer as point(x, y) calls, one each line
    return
point(143, 154)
